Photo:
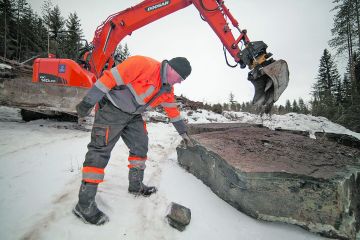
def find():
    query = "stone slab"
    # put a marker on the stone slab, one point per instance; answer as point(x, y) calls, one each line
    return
point(279, 175)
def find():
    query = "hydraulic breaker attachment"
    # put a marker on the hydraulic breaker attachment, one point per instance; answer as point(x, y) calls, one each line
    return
point(269, 77)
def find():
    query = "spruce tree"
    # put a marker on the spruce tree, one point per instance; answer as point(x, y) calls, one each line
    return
point(55, 24)
point(351, 116)
point(238, 107)
point(281, 110)
point(121, 53)
point(232, 102)
point(8, 29)
point(346, 31)
point(324, 89)
point(217, 108)
point(40, 35)
point(288, 107)
point(30, 44)
point(21, 12)
point(346, 91)
point(295, 107)
point(302, 107)
point(73, 35)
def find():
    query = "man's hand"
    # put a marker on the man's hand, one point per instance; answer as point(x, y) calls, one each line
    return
point(83, 109)
point(186, 139)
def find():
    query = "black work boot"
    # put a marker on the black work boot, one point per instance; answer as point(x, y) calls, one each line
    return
point(136, 185)
point(86, 209)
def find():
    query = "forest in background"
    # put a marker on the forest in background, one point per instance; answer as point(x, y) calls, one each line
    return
point(25, 35)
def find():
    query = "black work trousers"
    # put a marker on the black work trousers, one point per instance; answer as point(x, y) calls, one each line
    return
point(109, 125)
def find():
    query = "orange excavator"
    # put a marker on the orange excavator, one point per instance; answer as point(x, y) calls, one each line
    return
point(59, 84)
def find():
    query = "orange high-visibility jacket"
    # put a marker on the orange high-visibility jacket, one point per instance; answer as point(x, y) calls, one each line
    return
point(133, 83)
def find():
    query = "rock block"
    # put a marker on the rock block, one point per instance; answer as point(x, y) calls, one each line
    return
point(179, 216)
point(280, 176)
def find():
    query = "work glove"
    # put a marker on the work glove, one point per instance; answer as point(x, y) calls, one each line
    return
point(83, 109)
point(186, 140)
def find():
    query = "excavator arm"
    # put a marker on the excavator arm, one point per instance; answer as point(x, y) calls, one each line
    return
point(269, 77)
point(117, 26)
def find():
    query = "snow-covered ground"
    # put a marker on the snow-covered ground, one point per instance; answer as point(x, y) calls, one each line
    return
point(40, 175)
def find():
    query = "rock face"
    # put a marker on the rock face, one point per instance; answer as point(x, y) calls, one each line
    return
point(280, 176)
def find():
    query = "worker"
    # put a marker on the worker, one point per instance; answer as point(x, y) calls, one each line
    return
point(123, 93)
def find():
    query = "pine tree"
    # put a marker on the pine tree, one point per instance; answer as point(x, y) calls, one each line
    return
point(295, 107)
point(351, 116)
point(46, 8)
point(121, 53)
point(26, 44)
point(338, 92)
point(346, 91)
point(55, 24)
point(30, 43)
point(40, 35)
point(288, 107)
point(21, 10)
point(302, 107)
point(232, 102)
point(8, 29)
point(243, 106)
point(357, 17)
point(324, 90)
point(316, 108)
point(217, 108)
point(238, 107)
point(73, 35)
point(356, 72)
point(327, 77)
point(281, 110)
point(346, 31)
point(54, 21)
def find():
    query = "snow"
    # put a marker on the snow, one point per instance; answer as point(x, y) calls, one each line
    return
point(40, 176)
point(4, 66)
point(290, 121)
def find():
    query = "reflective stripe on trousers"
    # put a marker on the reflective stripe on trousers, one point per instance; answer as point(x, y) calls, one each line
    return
point(137, 162)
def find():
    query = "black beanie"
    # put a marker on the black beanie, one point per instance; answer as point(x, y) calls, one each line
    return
point(181, 65)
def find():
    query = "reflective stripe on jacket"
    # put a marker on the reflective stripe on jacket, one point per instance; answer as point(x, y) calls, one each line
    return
point(133, 83)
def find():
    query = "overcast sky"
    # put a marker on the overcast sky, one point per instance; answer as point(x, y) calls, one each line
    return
point(296, 31)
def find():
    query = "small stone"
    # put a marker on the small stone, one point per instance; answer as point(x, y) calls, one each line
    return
point(178, 216)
